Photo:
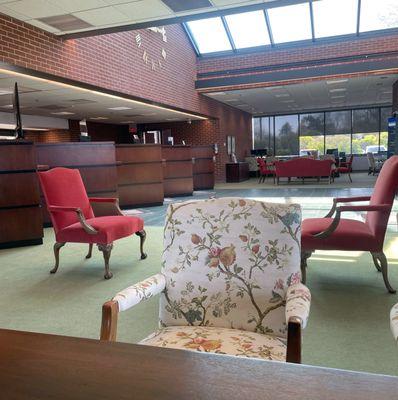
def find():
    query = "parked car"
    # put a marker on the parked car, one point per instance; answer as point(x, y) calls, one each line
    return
point(374, 149)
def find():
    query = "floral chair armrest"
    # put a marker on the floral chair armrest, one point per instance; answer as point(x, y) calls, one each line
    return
point(394, 321)
point(298, 302)
point(139, 292)
point(126, 299)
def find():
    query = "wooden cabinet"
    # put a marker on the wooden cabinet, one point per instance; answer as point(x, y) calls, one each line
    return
point(20, 215)
point(203, 167)
point(237, 172)
point(139, 174)
point(95, 161)
point(177, 171)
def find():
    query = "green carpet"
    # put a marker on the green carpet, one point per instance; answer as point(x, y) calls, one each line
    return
point(348, 326)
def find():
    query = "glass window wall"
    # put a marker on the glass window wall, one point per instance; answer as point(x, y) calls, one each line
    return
point(286, 135)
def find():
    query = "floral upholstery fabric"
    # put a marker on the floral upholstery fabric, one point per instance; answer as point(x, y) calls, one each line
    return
point(394, 321)
point(298, 302)
point(220, 341)
point(141, 291)
point(229, 263)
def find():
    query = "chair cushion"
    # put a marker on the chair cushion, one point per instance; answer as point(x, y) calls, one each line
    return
point(349, 235)
point(344, 169)
point(110, 228)
point(219, 340)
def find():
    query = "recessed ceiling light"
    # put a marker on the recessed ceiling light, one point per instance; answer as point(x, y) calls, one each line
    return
point(282, 95)
point(335, 82)
point(172, 119)
point(287, 101)
point(119, 108)
point(63, 113)
point(241, 105)
point(338, 97)
point(231, 100)
point(217, 94)
point(148, 114)
point(337, 90)
point(273, 87)
point(7, 106)
point(4, 91)
point(99, 118)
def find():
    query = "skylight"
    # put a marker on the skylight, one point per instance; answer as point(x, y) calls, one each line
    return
point(378, 14)
point(210, 35)
point(335, 17)
point(305, 21)
point(248, 29)
point(290, 23)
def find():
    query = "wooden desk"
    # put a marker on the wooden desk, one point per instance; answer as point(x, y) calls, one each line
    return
point(35, 366)
point(140, 174)
point(237, 172)
point(203, 167)
point(177, 170)
point(20, 215)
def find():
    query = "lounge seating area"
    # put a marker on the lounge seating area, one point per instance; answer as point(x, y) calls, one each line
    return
point(198, 200)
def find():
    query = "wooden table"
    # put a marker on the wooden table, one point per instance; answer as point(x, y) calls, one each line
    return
point(36, 366)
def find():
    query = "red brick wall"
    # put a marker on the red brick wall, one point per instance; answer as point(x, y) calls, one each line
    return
point(310, 52)
point(54, 135)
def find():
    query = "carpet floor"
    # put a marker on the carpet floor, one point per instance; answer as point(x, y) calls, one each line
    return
point(349, 320)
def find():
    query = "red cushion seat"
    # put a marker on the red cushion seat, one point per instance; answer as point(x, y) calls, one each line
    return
point(110, 228)
point(349, 235)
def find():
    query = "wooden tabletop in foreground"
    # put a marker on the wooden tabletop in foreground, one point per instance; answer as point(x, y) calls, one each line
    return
point(37, 366)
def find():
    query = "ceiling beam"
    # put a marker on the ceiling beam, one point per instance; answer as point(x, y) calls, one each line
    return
point(180, 19)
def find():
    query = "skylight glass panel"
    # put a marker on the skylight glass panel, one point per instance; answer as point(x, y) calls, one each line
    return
point(290, 23)
point(248, 29)
point(378, 14)
point(210, 35)
point(335, 17)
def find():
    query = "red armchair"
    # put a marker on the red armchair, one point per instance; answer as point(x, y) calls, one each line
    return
point(73, 218)
point(346, 234)
point(266, 169)
point(346, 167)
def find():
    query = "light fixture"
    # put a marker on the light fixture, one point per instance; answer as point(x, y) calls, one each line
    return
point(119, 108)
point(4, 91)
point(337, 90)
point(273, 87)
point(63, 113)
point(335, 82)
point(119, 98)
point(282, 95)
point(99, 118)
point(8, 106)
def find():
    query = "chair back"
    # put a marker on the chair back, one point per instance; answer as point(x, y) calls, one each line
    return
point(228, 263)
point(64, 187)
point(350, 160)
point(384, 192)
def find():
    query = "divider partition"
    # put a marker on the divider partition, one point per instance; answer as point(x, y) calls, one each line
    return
point(20, 217)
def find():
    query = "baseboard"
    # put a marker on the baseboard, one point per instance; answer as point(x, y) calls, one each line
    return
point(21, 243)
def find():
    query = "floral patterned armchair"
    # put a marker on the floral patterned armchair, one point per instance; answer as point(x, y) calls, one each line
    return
point(229, 283)
point(394, 321)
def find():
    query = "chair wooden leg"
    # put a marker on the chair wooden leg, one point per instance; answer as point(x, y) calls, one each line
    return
point(349, 175)
point(57, 248)
point(305, 255)
point(293, 353)
point(106, 251)
point(142, 235)
point(376, 262)
point(90, 251)
point(384, 270)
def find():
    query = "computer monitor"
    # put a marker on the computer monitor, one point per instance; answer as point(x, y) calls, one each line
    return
point(259, 152)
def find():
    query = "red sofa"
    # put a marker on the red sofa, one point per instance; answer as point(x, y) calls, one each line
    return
point(303, 167)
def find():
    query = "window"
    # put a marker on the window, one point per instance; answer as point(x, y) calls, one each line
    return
point(365, 125)
point(311, 132)
point(261, 133)
point(209, 35)
point(378, 14)
point(248, 29)
point(385, 113)
point(335, 17)
point(286, 135)
point(338, 122)
point(290, 23)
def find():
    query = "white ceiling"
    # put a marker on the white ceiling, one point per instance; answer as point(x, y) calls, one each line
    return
point(318, 95)
point(97, 14)
point(47, 98)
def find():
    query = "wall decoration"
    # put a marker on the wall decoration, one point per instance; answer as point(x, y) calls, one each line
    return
point(230, 145)
point(157, 60)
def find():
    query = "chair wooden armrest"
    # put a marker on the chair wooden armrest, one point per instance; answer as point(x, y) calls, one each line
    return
point(344, 200)
point(126, 299)
point(333, 226)
point(80, 216)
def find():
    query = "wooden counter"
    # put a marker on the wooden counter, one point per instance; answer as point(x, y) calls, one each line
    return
point(140, 174)
point(95, 161)
point(177, 171)
point(203, 167)
point(21, 220)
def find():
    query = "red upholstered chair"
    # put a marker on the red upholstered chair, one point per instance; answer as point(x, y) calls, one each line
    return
point(266, 169)
point(346, 167)
point(73, 218)
point(347, 234)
